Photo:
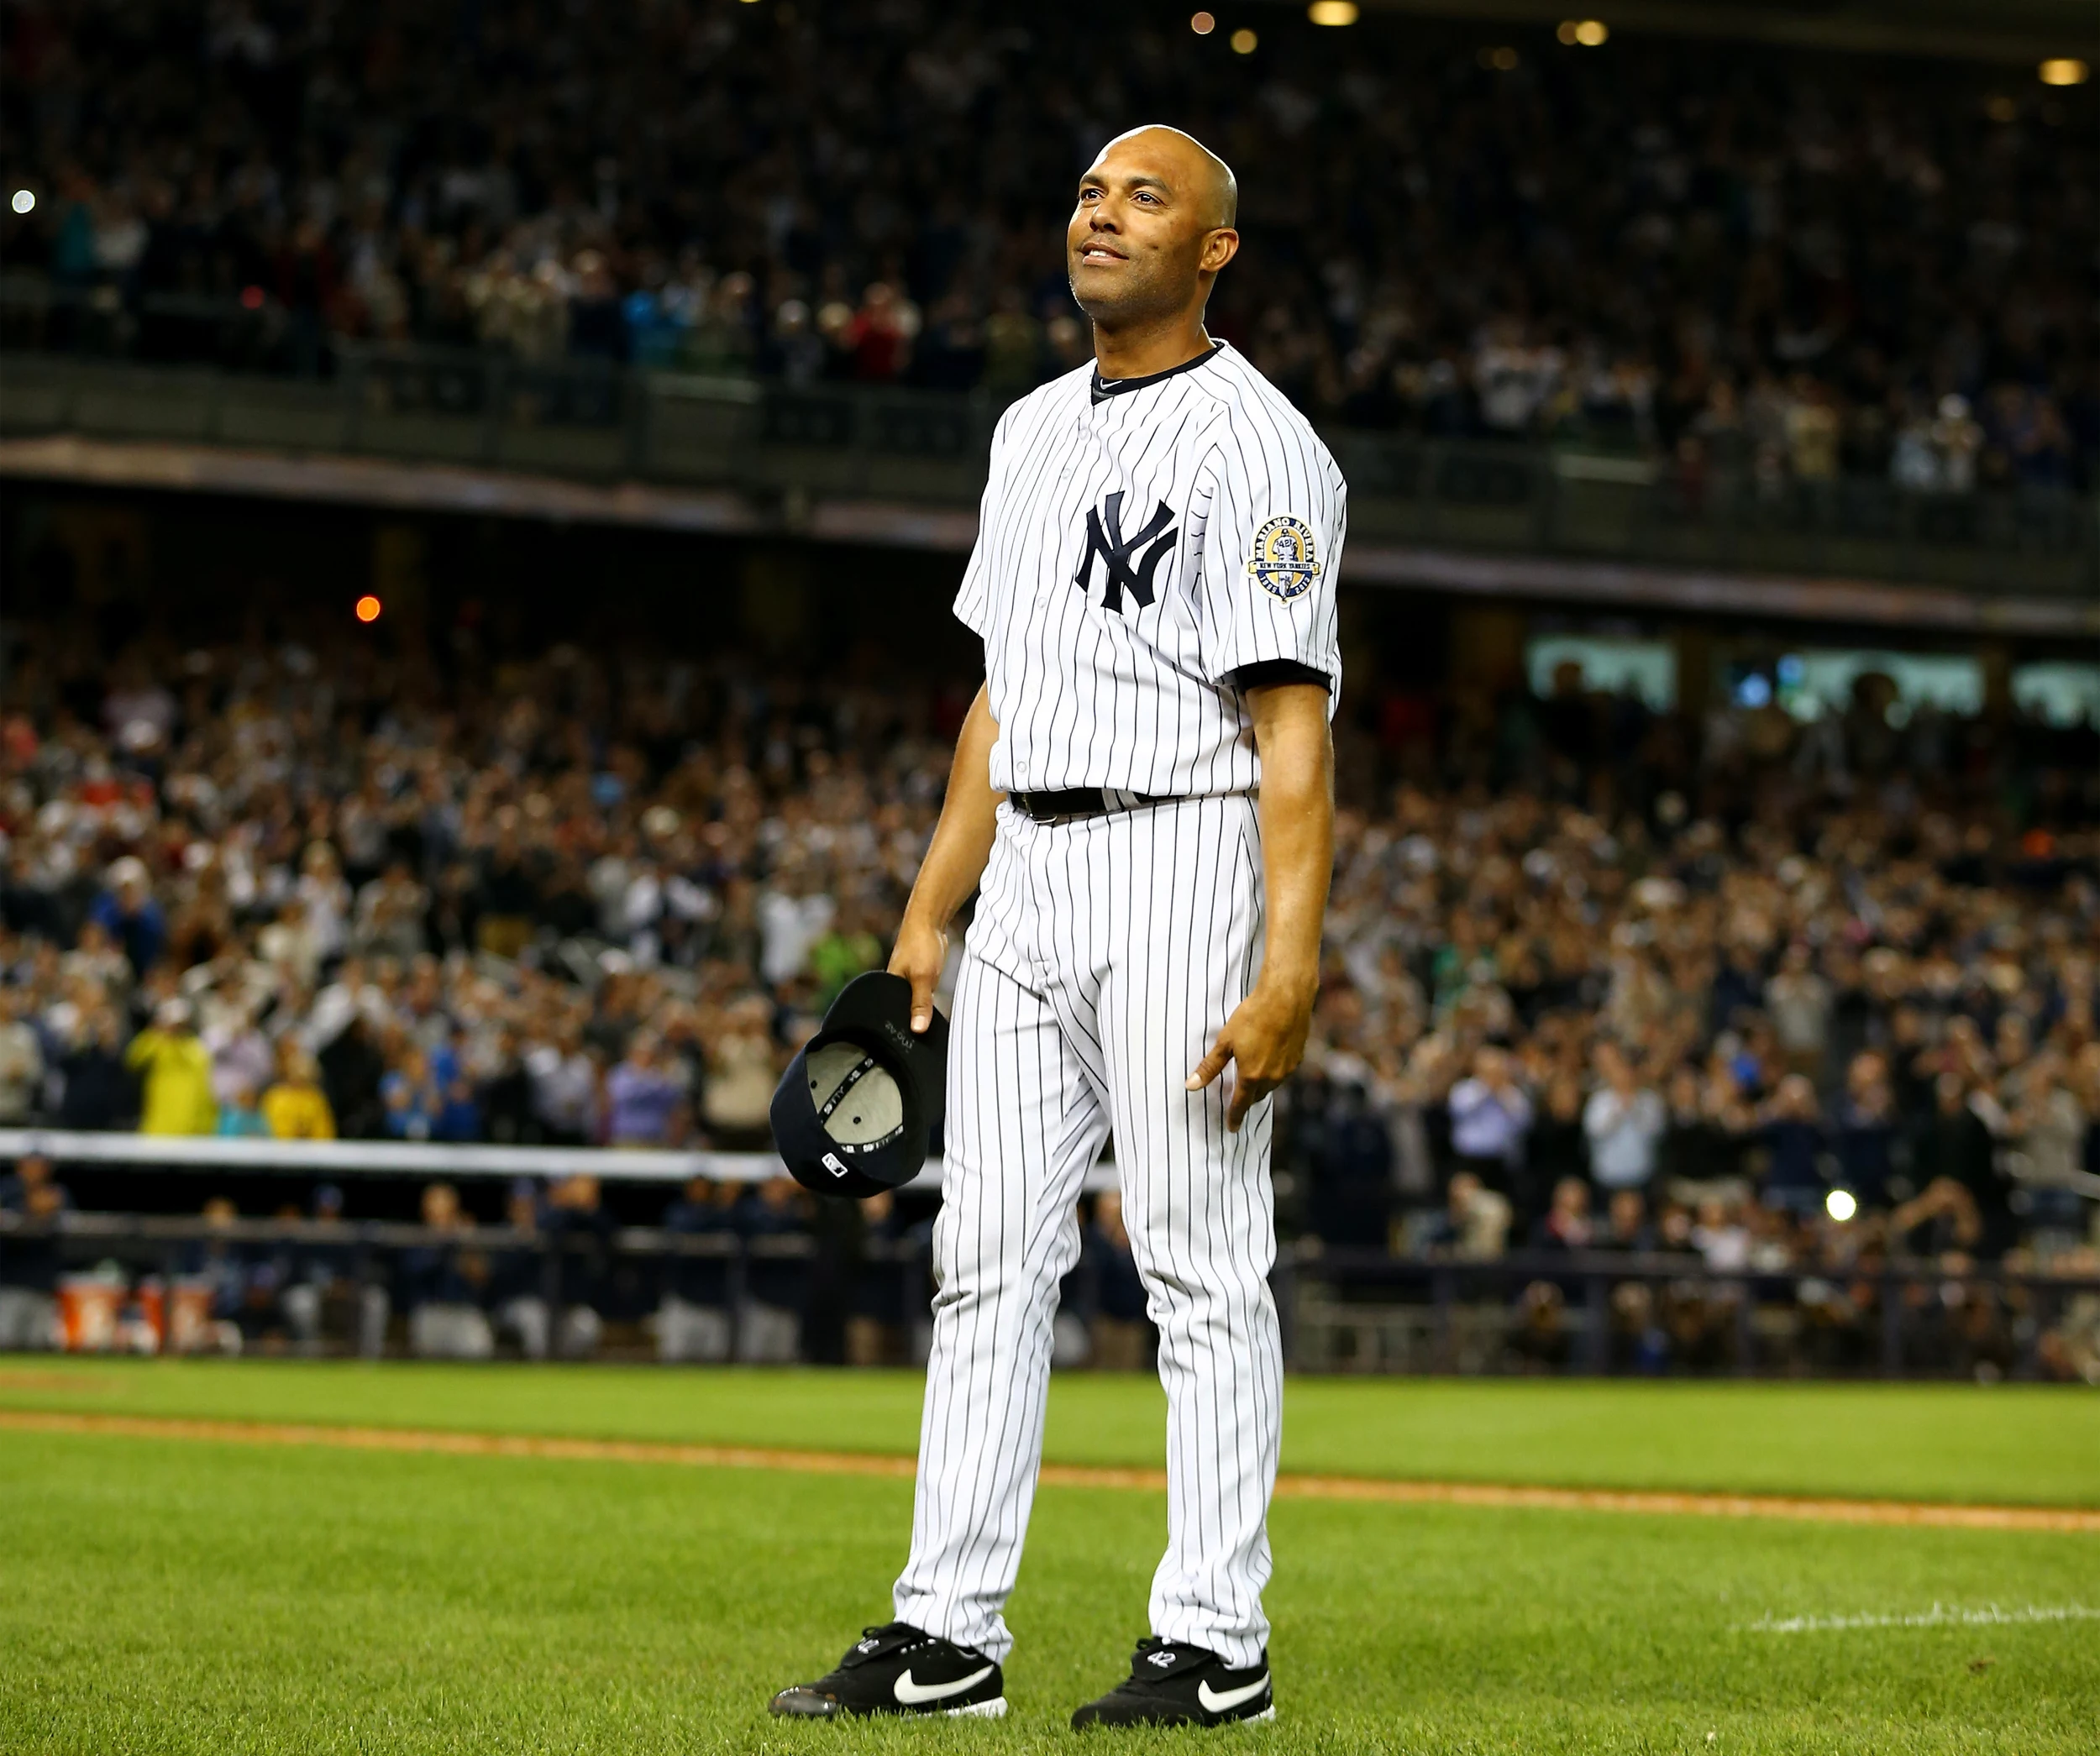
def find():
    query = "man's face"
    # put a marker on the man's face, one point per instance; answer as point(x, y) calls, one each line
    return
point(1146, 229)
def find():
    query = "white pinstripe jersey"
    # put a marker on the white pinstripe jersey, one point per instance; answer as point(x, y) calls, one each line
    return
point(1136, 549)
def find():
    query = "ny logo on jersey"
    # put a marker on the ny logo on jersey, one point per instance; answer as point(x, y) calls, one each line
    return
point(1105, 538)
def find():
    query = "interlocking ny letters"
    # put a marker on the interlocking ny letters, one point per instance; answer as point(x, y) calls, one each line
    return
point(1105, 538)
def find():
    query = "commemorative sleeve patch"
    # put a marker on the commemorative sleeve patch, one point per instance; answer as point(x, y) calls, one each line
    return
point(1283, 563)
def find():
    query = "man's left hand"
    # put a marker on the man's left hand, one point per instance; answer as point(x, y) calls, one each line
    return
point(1264, 1040)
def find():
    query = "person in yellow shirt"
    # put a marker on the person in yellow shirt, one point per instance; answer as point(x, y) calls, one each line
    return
point(177, 1072)
point(296, 1108)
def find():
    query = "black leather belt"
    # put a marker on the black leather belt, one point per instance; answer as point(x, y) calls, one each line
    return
point(1072, 802)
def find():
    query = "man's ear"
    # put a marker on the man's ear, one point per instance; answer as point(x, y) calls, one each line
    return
point(1219, 248)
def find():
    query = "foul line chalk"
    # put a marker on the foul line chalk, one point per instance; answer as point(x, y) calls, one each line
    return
point(1940, 1616)
point(1489, 1495)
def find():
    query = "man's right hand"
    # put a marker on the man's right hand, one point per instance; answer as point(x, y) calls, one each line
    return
point(919, 955)
point(954, 861)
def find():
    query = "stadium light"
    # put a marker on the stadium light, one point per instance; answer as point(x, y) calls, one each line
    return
point(1332, 12)
point(1203, 24)
point(1587, 32)
point(1243, 42)
point(25, 201)
point(1502, 59)
point(1841, 1205)
point(368, 608)
point(2058, 71)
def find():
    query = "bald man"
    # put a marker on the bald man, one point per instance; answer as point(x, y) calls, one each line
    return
point(1142, 801)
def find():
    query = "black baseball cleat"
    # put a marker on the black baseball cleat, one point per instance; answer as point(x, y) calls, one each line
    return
point(896, 1669)
point(1172, 1685)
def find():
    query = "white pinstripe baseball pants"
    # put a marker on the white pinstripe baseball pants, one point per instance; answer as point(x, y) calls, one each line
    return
point(1104, 955)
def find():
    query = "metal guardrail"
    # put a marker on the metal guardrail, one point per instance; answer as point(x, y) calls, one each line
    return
point(1416, 1314)
point(1457, 1316)
point(592, 420)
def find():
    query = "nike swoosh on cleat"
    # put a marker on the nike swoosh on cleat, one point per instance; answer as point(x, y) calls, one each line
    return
point(917, 1695)
point(1224, 1701)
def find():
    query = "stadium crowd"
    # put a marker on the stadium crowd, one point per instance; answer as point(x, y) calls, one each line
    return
point(1596, 977)
point(1804, 267)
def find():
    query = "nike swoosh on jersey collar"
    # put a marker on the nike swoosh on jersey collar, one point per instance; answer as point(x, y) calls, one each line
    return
point(1223, 1700)
point(1102, 388)
point(909, 1694)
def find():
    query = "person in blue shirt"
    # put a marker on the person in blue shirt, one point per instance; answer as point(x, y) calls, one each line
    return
point(240, 1117)
point(414, 1102)
point(128, 913)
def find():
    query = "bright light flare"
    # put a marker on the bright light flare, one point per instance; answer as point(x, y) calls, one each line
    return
point(1332, 12)
point(2061, 70)
point(1841, 1205)
point(1584, 33)
point(1244, 42)
point(25, 201)
point(368, 608)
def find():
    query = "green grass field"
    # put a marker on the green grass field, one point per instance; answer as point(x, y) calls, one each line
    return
point(170, 1594)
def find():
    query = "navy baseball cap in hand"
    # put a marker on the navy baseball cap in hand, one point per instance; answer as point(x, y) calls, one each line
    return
point(856, 1108)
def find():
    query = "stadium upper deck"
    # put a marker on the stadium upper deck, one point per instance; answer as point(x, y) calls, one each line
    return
point(1788, 266)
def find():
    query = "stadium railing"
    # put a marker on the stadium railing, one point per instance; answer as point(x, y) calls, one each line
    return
point(332, 1159)
point(1357, 1311)
point(1600, 1311)
point(791, 454)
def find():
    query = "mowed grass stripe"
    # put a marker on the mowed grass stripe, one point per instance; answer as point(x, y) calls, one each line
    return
point(1821, 1509)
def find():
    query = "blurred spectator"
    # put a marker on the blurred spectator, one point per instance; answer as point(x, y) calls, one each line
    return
point(848, 949)
point(21, 1061)
point(1626, 1226)
point(1864, 1130)
point(177, 1070)
point(884, 1290)
point(1490, 1117)
point(32, 1202)
point(518, 1281)
point(321, 1291)
point(443, 1283)
point(1799, 1002)
point(645, 1100)
point(1959, 1151)
point(1558, 1142)
point(1624, 1121)
point(692, 1320)
point(295, 1108)
point(1568, 1224)
point(128, 913)
point(97, 1085)
point(1474, 1225)
point(240, 1116)
point(769, 1328)
point(1793, 1181)
point(579, 1233)
point(415, 1102)
point(743, 1068)
point(352, 1074)
point(1352, 1188)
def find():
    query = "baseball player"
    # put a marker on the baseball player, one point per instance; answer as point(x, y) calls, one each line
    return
point(1142, 798)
